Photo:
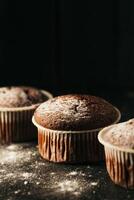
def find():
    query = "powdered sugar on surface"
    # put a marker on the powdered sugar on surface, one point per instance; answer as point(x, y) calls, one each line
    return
point(24, 175)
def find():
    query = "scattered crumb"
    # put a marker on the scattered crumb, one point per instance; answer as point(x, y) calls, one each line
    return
point(26, 175)
point(94, 183)
point(82, 174)
point(73, 173)
point(11, 147)
point(68, 186)
point(25, 182)
point(12, 154)
point(29, 193)
point(2, 170)
point(17, 191)
point(76, 193)
point(52, 173)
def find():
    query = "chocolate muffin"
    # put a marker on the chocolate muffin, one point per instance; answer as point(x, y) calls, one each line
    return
point(118, 141)
point(70, 125)
point(17, 105)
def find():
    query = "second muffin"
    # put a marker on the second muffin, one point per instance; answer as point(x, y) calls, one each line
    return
point(68, 127)
point(17, 105)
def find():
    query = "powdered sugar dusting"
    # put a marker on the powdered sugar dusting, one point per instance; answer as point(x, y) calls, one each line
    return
point(27, 176)
point(12, 154)
point(121, 134)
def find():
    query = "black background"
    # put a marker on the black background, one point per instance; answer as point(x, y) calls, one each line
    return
point(67, 46)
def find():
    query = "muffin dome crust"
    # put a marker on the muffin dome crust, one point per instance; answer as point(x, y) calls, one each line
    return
point(121, 135)
point(75, 112)
point(12, 97)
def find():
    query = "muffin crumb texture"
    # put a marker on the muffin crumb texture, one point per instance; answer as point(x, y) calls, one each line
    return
point(11, 97)
point(75, 112)
point(121, 135)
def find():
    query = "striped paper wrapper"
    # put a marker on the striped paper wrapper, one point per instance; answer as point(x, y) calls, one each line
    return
point(120, 166)
point(16, 124)
point(69, 147)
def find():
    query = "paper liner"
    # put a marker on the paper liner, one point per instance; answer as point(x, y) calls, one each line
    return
point(71, 148)
point(120, 166)
point(16, 125)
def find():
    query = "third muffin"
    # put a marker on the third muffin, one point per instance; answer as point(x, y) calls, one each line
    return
point(118, 141)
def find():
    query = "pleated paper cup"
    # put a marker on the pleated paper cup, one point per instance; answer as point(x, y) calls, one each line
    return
point(119, 162)
point(16, 125)
point(70, 146)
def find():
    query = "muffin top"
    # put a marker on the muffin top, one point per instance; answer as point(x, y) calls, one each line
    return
point(121, 135)
point(12, 97)
point(75, 112)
